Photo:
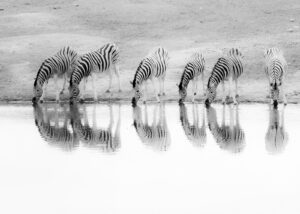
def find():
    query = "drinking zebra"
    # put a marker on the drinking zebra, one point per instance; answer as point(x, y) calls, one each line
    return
point(275, 69)
point(152, 67)
point(229, 68)
point(194, 133)
point(229, 137)
point(58, 66)
point(103, 60)
point(106, 140)
point(156, 135)
point(192, 71)
point(55, 134)
point(276, 137)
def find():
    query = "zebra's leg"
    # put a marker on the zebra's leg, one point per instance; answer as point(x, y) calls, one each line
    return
point(236, 88)
point(145, 91)
point(194, 90)
point(82, 92)
point(160, 87)
point(155, 90)
point(224, 94)
point(232, 92)
point(163, 87)
point(283, 92)
point(64, 85)
point(44, 91)
point(94, 87)
point(110, 82)
point(203, 84)
point(57, 89)
point(116, 70)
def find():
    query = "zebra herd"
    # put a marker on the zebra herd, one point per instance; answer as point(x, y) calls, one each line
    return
point(68, 127)
point(67, 64)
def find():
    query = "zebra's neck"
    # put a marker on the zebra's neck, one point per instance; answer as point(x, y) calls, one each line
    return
point(184, 81)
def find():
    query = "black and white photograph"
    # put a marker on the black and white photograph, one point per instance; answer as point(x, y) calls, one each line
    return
point(150, 106)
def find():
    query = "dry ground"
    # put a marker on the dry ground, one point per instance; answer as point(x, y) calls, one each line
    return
point(32, 30)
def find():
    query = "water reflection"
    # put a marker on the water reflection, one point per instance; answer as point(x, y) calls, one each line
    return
point(196, 134)
point(229, 137)
point(276, 136)
point(156, 135)
point(106, 140)
point(47, 120)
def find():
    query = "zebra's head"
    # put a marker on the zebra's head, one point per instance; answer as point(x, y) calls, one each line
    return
point(275, 96)
point(137, 95)
point(37, 91)
point(74, 92)
point(182, 93)
point(210, 95)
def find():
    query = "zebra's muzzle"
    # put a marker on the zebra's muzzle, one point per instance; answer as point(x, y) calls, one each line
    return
point(133, 102)
point(207, 104)
point(34, 100)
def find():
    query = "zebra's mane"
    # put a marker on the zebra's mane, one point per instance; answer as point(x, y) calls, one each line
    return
point(38, 74)
point(136, 73)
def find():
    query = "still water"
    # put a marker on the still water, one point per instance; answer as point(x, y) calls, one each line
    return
point(149, 159)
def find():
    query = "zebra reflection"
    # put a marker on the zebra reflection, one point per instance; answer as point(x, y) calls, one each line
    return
point(92, 136)
point(229, 137)
point(50, 129)
point(156, 135)
point(195, 134)
point(276, 136)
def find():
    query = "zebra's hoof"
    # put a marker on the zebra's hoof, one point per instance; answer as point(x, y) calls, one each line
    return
point(164, 94)
point(120, 91)
point(144, 102)
point(285, 103)
point(237, 96)
point(107, 91)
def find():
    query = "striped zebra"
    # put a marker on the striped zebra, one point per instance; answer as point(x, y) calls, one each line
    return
point(229, 137)
point(103, 60)
point(275, 69)
point(152, 67)
point(276, 137)
point(156, 135)
point(47, 122)
point(58, 66)
point(106, 140)
point(229, 68)
point(195, 134)
point(192, 71)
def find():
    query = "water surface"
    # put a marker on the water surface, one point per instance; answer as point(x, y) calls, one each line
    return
point(149, 159)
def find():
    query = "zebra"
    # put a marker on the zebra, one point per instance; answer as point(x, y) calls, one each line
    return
point(229, 68)
point(276, 137)
point(152, 66)
point(275, 69)
point(55, 134)
point(229, 137)
point(156, 135)
point(92, 136)
point(195, 134)
point(192, 71)
point(58, 66)
point(103, 60)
